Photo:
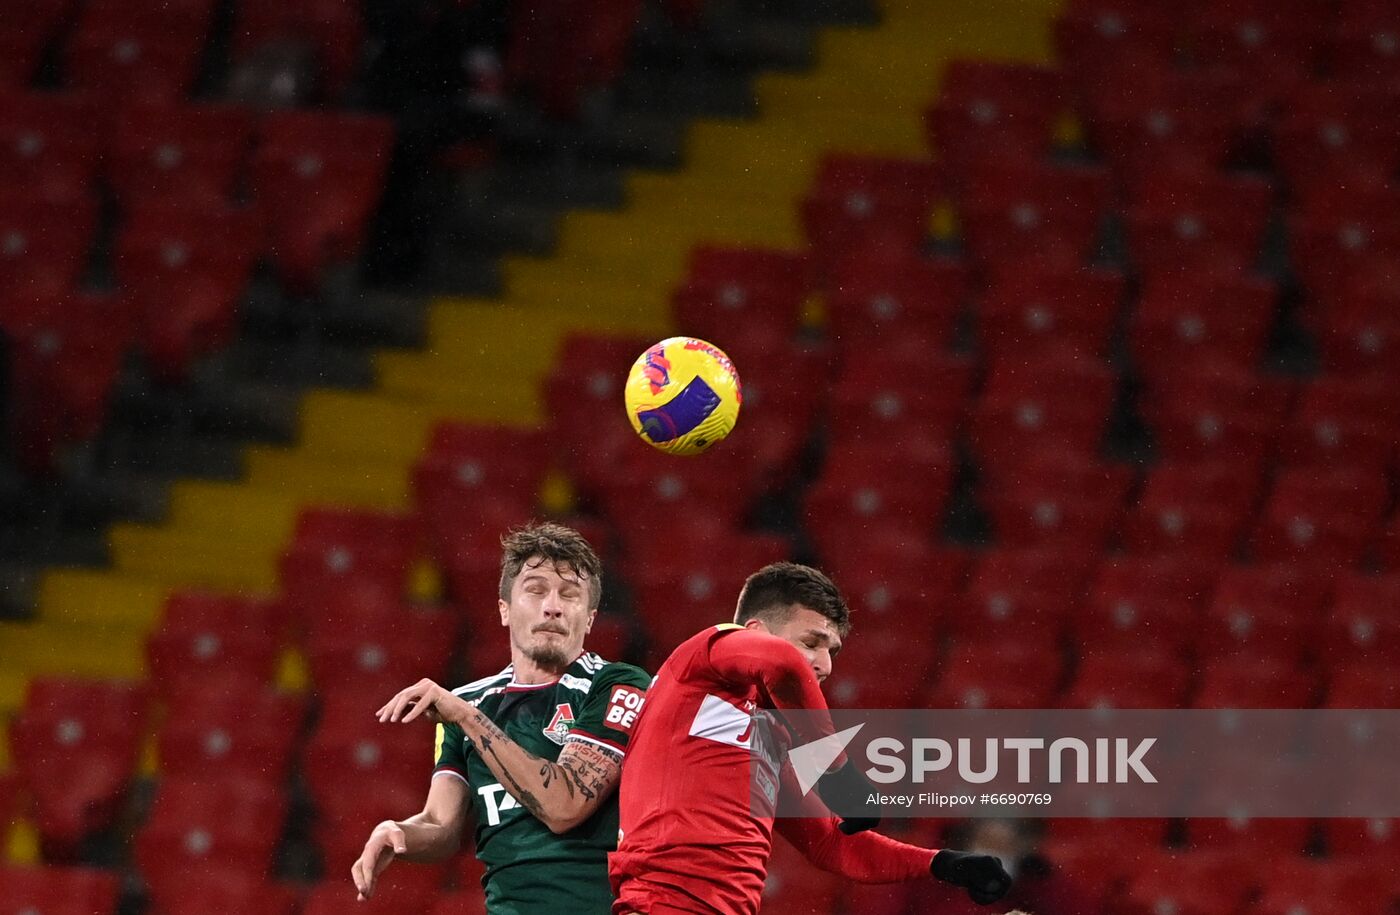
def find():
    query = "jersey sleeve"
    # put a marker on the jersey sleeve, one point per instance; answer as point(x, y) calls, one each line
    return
point(614, 701)
point(450, 751)
point(866, 857)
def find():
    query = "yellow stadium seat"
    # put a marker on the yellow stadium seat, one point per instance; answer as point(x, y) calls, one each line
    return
point(179, 558)
point(79, 596)
point(327, 481)
point(232, 510)
point(75, 650)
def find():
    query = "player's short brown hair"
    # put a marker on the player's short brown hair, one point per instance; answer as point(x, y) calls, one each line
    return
point(774, 590)
point(553, 543)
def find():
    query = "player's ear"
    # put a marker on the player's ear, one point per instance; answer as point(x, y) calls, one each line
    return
point(592, 615)
point(505, 612)
point(756, 623)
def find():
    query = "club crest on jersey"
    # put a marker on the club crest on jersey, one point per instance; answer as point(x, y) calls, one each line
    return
point(560, 725)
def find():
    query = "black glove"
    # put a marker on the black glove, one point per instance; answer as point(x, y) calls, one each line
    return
point(846, 793)
point(982, 876)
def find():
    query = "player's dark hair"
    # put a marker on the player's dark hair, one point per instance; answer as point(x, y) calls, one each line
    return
point(555, 544)
point(774, 590)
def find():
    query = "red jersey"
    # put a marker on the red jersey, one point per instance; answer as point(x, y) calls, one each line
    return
point(701, 780)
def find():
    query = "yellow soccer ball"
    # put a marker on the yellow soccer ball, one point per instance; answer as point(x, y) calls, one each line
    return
point(683, 395)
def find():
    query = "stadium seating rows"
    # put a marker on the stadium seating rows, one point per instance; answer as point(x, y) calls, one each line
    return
point(1250, 566)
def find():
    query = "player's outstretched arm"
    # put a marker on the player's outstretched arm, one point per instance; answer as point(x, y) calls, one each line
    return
point(561, 794)
point(868, 857)
point(427, 837)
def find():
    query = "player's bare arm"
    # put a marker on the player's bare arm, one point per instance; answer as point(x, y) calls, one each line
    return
point(561, 793)
point(432, 835)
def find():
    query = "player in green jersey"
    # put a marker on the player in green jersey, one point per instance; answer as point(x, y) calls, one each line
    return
point(535, 751)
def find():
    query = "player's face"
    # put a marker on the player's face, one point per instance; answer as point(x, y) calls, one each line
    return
point(548, 612)
point(815, 636)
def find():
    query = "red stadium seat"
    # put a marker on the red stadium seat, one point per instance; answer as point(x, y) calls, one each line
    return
point(1329, 129)
point(1253, 683)
point(783, 386)
point(1364, 43)
point(1343, 422)
point(208, 636)
point(581, 396)
point(749, 287)
point(319, 178)
point(1370, 838)
point(242, 728)
point(400, 889)
point(1192, 883)
point(64, 358)
point(1152, 116)
point(1193, 509)
point(1093, 36)
point(870, 486)
point(860, 202)
point(1360, 627)
point(904, 395)
point(559, 52)
point(1359, 332)
point(25, 33)
point(1328, 518)
point(1264, 611)
point(208, 825)
point(354, 765)
point(1014, 212)
point(75, 745)
point(1127, 678)
point(58, 890)
point(338, 544)
point(1197, 221)
point(466, 468)
point(1143, 603)
point(1338, 236)
point(1184, 318)
point(1013, 674)
point(1057, 499)
point(186, 266)
point(1362, 684)
point(1029, 309)
point(651, 489)
point(44, 243)
point(1010, 107)
point(188, 151)
point(1019, 594)
point(1274, 45)
point(891, 578)
point(469, 901)
point(331, 28)
point(886, 297)
point(667, 560)
point(884, 669)
point(1058, 403)
point(1216, 412)
point(1268, 838)
point(384, 647)
point(146, 56)
point(220, 892)
point(1324, 887)
point(47, 144)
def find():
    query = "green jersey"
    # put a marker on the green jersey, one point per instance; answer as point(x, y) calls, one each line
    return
point(528, 868)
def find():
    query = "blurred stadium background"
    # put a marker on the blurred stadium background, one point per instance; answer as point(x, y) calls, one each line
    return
point(1069, 342)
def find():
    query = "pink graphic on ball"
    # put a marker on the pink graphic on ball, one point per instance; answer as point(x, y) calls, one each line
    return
point(657, 368)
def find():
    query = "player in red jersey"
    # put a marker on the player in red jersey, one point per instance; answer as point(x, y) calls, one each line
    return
point(694, 836)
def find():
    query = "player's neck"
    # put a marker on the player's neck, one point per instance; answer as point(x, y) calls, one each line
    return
point(526, 671)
